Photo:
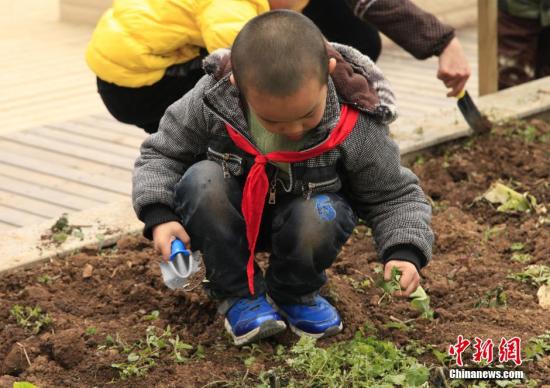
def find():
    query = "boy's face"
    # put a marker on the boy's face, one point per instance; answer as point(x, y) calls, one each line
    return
point(291, 116)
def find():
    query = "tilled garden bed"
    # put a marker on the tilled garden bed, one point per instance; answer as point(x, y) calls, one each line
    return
point(101, 303)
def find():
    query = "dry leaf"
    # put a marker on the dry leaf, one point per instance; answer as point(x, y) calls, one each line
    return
point(87, 271)
point(544, 296)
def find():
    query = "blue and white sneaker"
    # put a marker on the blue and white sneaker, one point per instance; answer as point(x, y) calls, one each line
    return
point(249, 320)
point(317, 320)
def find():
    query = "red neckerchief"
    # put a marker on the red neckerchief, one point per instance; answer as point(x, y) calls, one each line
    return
point(256, 186)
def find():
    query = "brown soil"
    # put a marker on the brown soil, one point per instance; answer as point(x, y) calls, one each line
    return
point(125, 285)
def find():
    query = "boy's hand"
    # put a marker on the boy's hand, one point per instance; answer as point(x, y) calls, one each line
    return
point(410, 279)
point(164, 234)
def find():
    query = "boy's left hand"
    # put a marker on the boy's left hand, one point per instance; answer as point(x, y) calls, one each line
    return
point(410, 279)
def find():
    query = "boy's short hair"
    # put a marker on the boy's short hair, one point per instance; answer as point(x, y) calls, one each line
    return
point(276, 51)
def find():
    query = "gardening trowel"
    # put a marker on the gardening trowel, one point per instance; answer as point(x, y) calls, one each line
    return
point(472, 115)
point(181, 266)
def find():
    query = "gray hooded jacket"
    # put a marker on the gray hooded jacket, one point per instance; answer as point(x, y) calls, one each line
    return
point(365, 168)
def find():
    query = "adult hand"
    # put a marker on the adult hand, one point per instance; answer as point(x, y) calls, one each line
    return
point(164, 234)
point(454, 69)
point(409, 280)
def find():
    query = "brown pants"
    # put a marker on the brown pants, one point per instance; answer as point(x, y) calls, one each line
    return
point(523, 50)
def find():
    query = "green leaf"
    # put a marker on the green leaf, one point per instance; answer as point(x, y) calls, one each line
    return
point(517, 247)
point(133, 357)
point(522, 257)
point(510, 200)
point(24, 384)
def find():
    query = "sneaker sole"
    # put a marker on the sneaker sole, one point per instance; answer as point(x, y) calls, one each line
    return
point(327, 333)
point(266, 329)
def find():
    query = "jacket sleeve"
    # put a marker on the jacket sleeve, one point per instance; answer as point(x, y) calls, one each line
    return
point(417, 31)
point(165, 156)
point(221, 20)
point(387, 195)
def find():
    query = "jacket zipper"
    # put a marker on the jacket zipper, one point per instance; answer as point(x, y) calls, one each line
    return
point(315, 186)
point(225, 158)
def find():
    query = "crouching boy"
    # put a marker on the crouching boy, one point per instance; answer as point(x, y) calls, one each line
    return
point(279, 148)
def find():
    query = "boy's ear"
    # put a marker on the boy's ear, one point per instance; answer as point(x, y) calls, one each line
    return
point(331, 65)
point(232, 79)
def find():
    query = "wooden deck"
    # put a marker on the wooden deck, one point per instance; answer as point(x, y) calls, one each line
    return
point(60, 151)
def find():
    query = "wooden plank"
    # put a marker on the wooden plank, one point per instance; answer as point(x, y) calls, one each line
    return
point(77, 139)
point(44, 194)
point(65, 93)
point(18, 218)
point(30, 205)
point(62, 161)
point(79, 189)
point(73, 150)
point(99, 181)
point(95, 132)
point(487, 46)
point(108, 122)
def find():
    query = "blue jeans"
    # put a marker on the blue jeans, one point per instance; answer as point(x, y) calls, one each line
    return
point(303, 236)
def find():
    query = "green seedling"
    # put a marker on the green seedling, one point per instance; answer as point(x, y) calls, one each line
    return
point(389, 287)
point(442, 357)
point(362, 361)
point(521, 257)
point(90, 331)
point(419, 160)
point(152, 317)
point(360, 285)
point(415, 348)
point(517, 247)
point(44, 279)
point(489, 233)
point(536, 275)
point(538, 347)
point(31, 318)
point(143, 354)
point(495, 297)
point(421, 302)
point(61, 230)
point(402, 326)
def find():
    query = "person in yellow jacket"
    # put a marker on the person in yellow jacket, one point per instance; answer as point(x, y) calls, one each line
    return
point(147, 53)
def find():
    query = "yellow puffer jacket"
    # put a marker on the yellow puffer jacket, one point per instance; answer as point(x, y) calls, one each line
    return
point(136, 40)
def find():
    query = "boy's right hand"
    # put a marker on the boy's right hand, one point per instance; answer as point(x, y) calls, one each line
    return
point(164, 234)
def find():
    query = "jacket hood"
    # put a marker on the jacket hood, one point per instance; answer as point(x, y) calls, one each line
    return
point(358, 81)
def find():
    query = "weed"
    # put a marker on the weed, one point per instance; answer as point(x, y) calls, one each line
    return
point(390, 286)
point(490, 233)
point(538, 347)
point(415, 348)
point(152, 317)
point(31, 318)
point(419, 161)
point(360, 285)
point(362, 361)
point(536, 275)
point(516, 247)
point(44, 279)
point(443, 357)
point(90, 331)
point(61, 230)
point(495, 297)
point(141, 356)
point(402, 326)
point(421, 301)
point(521, 257)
